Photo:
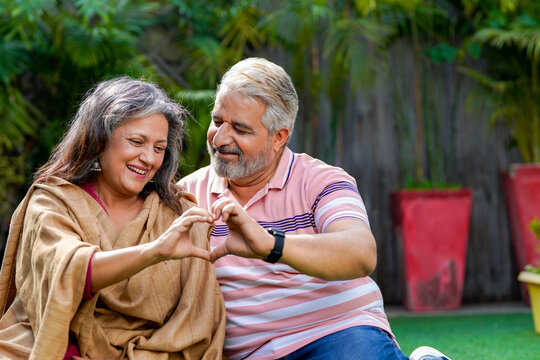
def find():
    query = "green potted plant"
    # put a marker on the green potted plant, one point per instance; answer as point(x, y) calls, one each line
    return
point(430, 214)
point(513, 94)
point(531, 277)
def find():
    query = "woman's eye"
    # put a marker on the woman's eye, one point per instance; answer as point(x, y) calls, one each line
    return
point(136, 141)
point(159, 149)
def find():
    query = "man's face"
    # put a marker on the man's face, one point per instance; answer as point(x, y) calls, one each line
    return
point(238, 142)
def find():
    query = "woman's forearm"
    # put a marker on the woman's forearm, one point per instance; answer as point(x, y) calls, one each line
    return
point(111, 267)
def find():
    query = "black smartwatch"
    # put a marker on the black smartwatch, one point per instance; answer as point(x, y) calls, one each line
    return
point(277, 251)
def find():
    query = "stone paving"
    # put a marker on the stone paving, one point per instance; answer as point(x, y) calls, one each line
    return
point(465, 309)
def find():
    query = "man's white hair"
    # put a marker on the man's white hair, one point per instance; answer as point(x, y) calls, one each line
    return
point(262, 80)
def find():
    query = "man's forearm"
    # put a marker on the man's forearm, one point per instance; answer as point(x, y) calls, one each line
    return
point(334, 255)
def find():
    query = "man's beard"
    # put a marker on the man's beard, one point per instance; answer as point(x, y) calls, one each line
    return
point(244, 166)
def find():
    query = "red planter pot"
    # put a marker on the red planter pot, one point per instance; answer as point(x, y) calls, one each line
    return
point(522, 193)
point(432, 227)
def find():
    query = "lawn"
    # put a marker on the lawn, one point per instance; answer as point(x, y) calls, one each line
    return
point(487, 336)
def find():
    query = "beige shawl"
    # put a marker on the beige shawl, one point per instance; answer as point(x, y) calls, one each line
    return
point(171, 310)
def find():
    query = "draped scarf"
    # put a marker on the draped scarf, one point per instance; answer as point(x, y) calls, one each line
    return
point(171, 310)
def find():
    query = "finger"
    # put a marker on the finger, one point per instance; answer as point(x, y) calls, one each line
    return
point(196, 210)
point(218, 205)
point(185, 222)
point(229, 210)
point(200, 253)
point(218, 252)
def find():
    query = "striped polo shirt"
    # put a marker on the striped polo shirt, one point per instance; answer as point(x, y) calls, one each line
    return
point(272, 309)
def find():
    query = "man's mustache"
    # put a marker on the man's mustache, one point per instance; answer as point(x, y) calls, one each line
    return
point(227, 149)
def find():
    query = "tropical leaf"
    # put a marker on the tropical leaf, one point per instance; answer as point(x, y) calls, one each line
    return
point(18, 118)
point(13, 60)
point(241, 31)
point(199, 103)
point(297, 22)
point(365, 6)
point(196, 95)
point(208, 58)
point(485, 80)
point(528, 39)
point(355, 45)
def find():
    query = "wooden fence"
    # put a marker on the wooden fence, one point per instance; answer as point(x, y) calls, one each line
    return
point(368, 148)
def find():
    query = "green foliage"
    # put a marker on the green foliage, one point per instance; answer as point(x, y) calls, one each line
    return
point(511, 37)
point(12, 176)
point(18, 118)
point(534, 225)
point(441, 53)
point(52, 53)
point(535, 228)
point(412, 184)
point(199, 103)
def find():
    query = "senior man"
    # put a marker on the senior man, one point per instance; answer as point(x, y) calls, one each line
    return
point(298, 287)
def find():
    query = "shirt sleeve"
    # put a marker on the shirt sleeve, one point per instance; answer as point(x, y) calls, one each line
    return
point(334, 196)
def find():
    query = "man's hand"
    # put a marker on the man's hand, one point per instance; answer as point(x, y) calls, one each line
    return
point(246, 237)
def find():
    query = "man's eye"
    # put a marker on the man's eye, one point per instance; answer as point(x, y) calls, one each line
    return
point(240, 131)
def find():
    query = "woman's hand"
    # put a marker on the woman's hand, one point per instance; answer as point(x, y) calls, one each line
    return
point(111, 267)
point(175, 242)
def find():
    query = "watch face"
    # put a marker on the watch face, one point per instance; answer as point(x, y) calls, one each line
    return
point(276, 232)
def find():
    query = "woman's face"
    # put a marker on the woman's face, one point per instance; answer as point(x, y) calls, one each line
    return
point(133, 156)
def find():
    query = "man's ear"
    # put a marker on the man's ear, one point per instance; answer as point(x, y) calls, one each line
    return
point(279, 138)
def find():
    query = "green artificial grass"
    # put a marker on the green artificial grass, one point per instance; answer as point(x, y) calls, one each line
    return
point(462, 337)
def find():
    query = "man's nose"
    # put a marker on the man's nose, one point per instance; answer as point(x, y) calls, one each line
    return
point(222, 135)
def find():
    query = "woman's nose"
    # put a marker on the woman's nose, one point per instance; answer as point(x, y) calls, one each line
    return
point(148, 155)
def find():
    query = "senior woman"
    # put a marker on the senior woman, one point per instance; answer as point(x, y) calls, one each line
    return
point(106, 258)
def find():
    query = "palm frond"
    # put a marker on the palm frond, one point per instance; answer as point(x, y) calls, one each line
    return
point(196, 95)
point(18, 118)
point(485, 80)
point(242, 30)
point(523, 39)
point(209, 59)
point(298, 22)
point(89, 46)
point(354, 46)
point(13, 60)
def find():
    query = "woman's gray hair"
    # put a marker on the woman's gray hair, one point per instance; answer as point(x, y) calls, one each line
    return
point(102, 110)
point(260, 79)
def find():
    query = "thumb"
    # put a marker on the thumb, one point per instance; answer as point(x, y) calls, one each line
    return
point(200, 253)
point(218, 252)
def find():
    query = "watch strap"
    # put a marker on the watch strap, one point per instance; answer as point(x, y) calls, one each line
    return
point(279, 241)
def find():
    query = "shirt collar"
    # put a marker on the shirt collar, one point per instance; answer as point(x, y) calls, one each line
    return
point(283, 170)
